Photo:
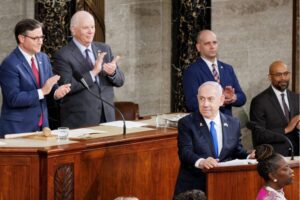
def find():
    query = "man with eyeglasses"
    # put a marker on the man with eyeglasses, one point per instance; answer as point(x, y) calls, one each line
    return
point(26, 81)
point(276, 112)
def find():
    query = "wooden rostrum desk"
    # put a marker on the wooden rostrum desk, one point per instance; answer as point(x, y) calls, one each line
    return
point(143, 164)
point(243, 182)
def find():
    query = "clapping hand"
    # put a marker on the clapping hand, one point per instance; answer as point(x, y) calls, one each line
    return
point(110, 68)
point(230, 96)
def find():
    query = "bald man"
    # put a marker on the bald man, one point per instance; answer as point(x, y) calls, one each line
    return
point(209, 68)
point(95, 62)
point(276, 112)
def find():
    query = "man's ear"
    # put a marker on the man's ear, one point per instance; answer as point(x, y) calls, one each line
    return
point(21, 38)
point(198, 47)
point(269, 77)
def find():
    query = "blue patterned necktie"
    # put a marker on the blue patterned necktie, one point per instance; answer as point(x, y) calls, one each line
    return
point(213, 133)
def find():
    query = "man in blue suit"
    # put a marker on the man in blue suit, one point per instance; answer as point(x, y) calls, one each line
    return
point(26, 80)
point(205, 138)
point(208, 68)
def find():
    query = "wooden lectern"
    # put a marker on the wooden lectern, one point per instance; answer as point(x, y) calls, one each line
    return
point(243, 182)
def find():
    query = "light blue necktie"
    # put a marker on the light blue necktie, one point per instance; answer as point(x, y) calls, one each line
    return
point(213, 133)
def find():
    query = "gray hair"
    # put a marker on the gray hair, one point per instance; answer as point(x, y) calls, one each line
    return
point(216, 85)
point(78, 16)
point(191, 195)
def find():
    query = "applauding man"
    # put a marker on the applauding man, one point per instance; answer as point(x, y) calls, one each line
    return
point(95, 62)
point(26, 79)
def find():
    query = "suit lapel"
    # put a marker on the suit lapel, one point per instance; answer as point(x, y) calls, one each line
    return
point(220, 68)
point(26, 65)
point(293, 111)
point(41, 68)
point(206, 69)
point(274, 101)
point(225, 132)
point(203, 128)
point(77, 55)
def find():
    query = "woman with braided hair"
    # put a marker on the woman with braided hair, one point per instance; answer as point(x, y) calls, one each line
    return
point(274, 169)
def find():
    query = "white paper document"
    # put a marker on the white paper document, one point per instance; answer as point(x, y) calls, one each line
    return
point(238, 162)
point(129, 124)
point(80, 132)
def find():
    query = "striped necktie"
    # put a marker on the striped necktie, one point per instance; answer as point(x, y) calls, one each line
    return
point(215, 73)
point(285, 108)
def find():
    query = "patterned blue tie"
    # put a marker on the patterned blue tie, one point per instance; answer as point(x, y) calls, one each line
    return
point(213, 133)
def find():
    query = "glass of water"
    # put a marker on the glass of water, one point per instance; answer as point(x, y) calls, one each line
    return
point(62, 133)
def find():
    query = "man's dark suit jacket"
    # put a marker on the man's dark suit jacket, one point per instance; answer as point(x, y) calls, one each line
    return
point(194, 142)
point(79, 108)
point(266, 111)
point(198, 73)
point(21, 108)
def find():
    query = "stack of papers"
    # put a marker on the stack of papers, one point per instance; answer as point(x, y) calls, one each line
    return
point(238, 162)
point(129, 124)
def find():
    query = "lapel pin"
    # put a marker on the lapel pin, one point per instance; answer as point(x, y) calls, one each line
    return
point(40, 62)
point(221, 67)
point(225, 125)
point(201, 124)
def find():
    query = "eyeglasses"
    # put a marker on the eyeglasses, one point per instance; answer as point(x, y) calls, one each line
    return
point(35, 38)
point(285, 74)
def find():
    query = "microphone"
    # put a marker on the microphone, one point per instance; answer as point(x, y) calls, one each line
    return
point(254, 126)
point(78, 77)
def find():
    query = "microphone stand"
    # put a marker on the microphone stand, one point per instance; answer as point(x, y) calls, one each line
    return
point(78, 77)
point(253, 125)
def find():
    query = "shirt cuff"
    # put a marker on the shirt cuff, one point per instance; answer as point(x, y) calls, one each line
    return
point(41, 95)
point(197, 163)
point(92, 76)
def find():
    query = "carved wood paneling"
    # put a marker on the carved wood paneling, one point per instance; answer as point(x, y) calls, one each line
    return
point(64, 182)
point(55, 15)
point(189, 17)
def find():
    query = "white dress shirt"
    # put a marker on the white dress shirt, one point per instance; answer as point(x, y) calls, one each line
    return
point(278, 95)
point(218, 127)
point(28, 59)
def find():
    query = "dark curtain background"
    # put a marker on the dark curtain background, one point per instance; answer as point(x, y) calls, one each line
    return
point(188, 18)
point(55, 15)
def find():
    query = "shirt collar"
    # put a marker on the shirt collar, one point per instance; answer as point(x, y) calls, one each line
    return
point(27, 56)
point(217, 120)
point(277, 92)
point(81, 47)
point(209, 64)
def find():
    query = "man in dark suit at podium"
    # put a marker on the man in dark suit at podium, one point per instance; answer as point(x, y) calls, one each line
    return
point(205, 138)
point(276, 112)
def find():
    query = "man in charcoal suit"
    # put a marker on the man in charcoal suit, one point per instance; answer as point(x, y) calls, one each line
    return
point(95, 62)
point(276, 112)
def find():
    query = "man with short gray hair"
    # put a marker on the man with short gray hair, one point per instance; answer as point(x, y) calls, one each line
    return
point(98, 67)
point(206, 137)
